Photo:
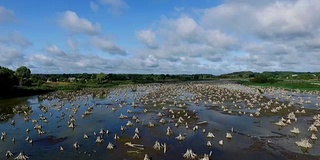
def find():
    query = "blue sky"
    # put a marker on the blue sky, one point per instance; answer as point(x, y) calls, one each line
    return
point(160, 36)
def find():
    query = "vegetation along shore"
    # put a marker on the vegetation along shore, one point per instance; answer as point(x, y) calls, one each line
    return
point(22, 82)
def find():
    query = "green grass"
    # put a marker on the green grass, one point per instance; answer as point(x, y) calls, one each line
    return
point(301, 85)
point(74, 86)
point(50, 87)
point(67, 86)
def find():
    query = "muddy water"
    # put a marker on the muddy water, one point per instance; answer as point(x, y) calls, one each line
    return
point(253, 137)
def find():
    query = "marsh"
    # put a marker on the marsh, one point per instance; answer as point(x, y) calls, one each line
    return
point(174, 110)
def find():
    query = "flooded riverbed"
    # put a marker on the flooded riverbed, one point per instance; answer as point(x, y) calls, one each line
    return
point(133, 118)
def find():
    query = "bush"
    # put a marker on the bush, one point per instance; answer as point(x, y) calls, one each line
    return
point(262, 79)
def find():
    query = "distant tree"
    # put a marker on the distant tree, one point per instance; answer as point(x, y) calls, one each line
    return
point(163, 77)
point(251, 75)
point(22, 73)
point(85, 76)
point(111, 77)
point(196, 76)
point(38, 79)
point(53, 78)
point(147, 77)
point(101, 78)
point(263, 78)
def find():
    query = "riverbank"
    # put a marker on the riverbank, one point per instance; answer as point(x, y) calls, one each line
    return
point(68, 86)
point(47, 87)
point(14, 92)
point(22, 92)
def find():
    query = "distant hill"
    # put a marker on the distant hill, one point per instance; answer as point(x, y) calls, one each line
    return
point(242, 74)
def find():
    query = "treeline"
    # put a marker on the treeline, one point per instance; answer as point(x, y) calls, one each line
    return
point(276, 75)
point(10, 78)
point(22, 82)
point(12, 82)
point(103, 78)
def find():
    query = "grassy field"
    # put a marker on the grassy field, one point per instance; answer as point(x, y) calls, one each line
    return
point(50, 87)
point(68, 86)
point(301, 85)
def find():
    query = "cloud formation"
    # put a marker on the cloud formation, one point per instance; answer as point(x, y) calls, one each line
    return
point(148, 37)
point(71, 22)
point(10, 56)
point(107, 45)
point(235, 35)
point(243, 35)
point(6, 15)
point(186, 45)
point(56, 60)
point(53, 49)
point(72, 44)
point(115, 7)
point(15, 38)
point(281, 19)
point(93, 6)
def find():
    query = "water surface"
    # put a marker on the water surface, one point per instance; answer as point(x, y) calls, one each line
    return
point(223, 106)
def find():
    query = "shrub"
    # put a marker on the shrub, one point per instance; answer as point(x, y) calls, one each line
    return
point(262, 79)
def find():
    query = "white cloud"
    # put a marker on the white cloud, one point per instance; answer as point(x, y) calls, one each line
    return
point(70, 21)
point(107, 45)
point(218, 39)
point(178, 9)
point(312, 44)
point(239, 35)
point(45, 61)
point(147, 37)
point(231, 17)
point(10, 56)
point(116, 7)
point(150, 62)
point(6, 15)
point(186, 27)
point(93, 6)
point(235, 35)
point(273, 34)
point(72, 44)
point(254, 2)
point(53, 49)
point(288, 20)
point(280, 19)
point(270, 56)
point(184, 39)
point(183, 28)
point(15, 38)
point(55, 60)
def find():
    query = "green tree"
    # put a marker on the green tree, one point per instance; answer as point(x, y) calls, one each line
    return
point(196, 76)
point(7, 78)
point(101, 78)
point(110, 77)
point(263, 78)
point(22, 73)
point(162, 77)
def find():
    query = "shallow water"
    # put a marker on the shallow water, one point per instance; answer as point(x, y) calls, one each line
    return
point(254, 137)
